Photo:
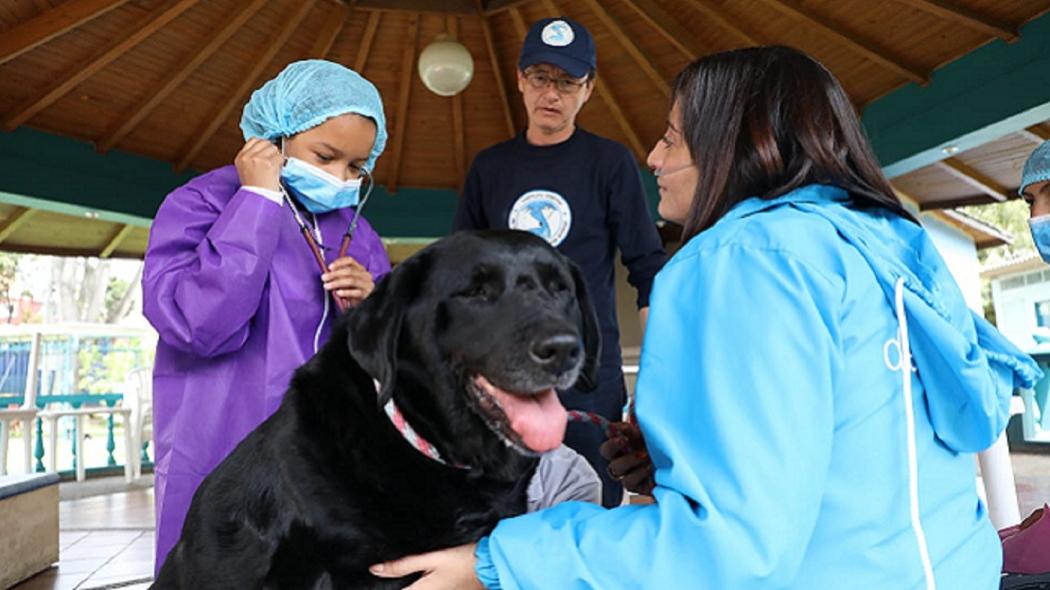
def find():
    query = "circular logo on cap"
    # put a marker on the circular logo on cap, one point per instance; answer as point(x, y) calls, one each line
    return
point(557, 34)
point(543, 213)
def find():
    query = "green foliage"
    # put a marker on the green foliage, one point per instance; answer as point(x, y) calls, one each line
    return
point(1011, 216)
point(103, 362)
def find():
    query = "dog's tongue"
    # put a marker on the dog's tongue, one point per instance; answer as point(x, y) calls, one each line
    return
point(539, 419)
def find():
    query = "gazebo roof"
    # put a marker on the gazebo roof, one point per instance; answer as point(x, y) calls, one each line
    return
point(166, 79)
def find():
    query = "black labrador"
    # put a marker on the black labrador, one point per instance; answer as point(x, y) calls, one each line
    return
point(470, 338)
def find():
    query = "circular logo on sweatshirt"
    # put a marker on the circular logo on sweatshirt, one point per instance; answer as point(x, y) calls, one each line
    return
point(543, 213)
point(557, 34)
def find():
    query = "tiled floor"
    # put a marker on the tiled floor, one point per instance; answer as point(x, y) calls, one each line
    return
point(106, 541)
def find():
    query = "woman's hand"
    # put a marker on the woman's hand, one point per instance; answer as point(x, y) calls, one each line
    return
point(628, 458)
point(349, 279)
point(259, 164)
point(448, 569)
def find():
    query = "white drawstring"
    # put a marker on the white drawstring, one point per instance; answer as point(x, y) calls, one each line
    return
point(905, 367)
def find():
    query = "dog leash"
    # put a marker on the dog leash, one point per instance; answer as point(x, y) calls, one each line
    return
point(592, 418)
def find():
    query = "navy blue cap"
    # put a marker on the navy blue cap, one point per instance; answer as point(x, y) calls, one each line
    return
point(561, 42)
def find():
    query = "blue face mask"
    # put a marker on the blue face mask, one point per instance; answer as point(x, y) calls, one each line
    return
point(1041, 235)
point(317, 190)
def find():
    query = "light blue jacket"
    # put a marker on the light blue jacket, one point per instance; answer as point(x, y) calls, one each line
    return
point(772, 399)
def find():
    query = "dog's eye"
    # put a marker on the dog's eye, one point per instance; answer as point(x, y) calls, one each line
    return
point(557, 286)
point(476, 292)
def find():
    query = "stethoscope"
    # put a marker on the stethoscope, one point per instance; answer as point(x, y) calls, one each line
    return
point(314, 241)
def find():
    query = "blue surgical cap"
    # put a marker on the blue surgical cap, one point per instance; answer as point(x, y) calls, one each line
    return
point(307, 93)
point(1037, 167)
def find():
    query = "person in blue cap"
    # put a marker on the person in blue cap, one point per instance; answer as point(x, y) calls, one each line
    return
point(813, 386)
point(580, 192)
point(231, 285)
point(1035, 190)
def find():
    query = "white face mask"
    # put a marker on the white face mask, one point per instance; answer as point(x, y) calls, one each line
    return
point(316, 189)
point(1040, 227)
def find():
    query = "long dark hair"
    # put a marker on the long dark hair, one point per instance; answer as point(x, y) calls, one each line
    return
point(764, 121)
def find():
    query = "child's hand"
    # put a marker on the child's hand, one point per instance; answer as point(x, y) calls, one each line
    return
point(259, 164)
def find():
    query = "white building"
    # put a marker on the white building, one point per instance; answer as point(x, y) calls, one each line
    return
point(1021, 294)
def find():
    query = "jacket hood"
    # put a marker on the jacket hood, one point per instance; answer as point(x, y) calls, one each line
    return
point(968, 369)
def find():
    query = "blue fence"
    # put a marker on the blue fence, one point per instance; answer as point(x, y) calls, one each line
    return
point(79, 367)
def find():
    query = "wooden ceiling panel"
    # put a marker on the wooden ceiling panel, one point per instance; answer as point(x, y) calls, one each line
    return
point(13, 13)
point(932, 183)
point(54, 230)
point(872, 47)
point(1000, 160)
point(228, 138)
point(344, 49)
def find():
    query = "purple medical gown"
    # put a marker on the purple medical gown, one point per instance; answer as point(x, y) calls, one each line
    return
point(235, 294)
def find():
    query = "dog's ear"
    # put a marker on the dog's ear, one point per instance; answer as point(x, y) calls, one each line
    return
point(374, 326)
point(592, 339)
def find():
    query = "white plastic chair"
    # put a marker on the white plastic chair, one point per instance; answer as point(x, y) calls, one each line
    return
point(26, 413)
point(138, 397)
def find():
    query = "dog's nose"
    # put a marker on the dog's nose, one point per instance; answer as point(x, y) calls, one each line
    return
point(557, 353)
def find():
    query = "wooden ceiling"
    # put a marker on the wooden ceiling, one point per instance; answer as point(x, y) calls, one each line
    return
point(167, 79)
point(989, 173)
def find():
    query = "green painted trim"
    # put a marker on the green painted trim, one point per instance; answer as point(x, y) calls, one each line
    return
point(53, 173)
point(411, 213)
point(42, 165)
point(74, 210)
point(992, 91)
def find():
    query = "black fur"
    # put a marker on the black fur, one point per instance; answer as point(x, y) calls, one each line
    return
point(327, 486)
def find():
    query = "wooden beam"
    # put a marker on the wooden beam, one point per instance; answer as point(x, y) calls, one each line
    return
point(975, 179)
point(417, 6)
point(1035, 134)
point(966, 17)
point(519, 24)
point(981, 199)
point(610, 22)
point(48, 25)
point(714, 14)
point(501, 88)
point(216, 39)
point(366, 41)
point(408, 62)
point(116, 240)
point(621, 119)
point(458, 137)
point(14, 221)
point(668, 26)
point(333, 25)
point(834, 31)
point(600, 89)
point(93, 64)
point(494, 6)
point(236, 98)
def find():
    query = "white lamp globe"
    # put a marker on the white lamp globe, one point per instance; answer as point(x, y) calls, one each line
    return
point(445, 66)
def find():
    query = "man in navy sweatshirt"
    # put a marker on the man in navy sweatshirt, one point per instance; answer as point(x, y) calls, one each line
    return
point(580, 192)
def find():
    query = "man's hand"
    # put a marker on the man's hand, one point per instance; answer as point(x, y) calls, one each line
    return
point(259, 164)
point(448, 569)
point(349, 279)
point(629, 461)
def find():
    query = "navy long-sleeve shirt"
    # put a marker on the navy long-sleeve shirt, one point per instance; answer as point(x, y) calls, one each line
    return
point(585, 197)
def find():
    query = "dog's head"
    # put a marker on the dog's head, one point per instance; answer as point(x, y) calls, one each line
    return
point(473, 335)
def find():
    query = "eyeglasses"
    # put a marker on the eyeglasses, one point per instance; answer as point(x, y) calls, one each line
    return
point(541, 80)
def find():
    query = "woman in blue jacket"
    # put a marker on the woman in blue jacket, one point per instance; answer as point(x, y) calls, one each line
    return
point(812, 386)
